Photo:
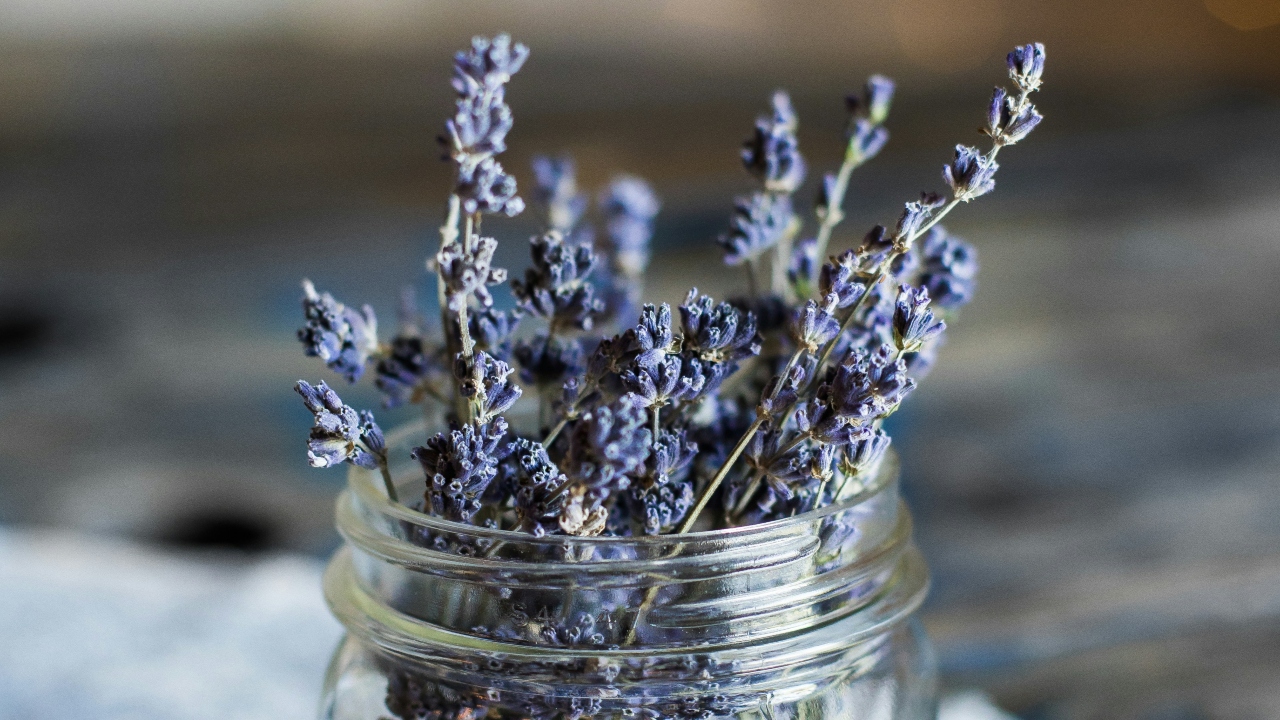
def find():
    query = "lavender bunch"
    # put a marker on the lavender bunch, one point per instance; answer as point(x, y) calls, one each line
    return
point(709, 415)
point(639, 431)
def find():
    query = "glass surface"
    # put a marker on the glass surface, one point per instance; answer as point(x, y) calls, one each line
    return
point(805, 618)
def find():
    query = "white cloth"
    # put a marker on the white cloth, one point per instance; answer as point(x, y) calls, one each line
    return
point(101, 629)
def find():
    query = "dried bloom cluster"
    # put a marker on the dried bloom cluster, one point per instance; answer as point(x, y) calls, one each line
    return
point(708, 415)
point(635, 430)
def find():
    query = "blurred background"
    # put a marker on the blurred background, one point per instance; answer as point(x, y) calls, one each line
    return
point(1093, 464)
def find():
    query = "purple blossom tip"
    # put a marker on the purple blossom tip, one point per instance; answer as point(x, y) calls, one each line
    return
point(340, 336)
point(1026, 65)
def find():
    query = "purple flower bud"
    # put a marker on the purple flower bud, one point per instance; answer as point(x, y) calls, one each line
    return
point(491, 330)
point(718, 333)
point(547, 360)
point(840, 278)
point(340, 434)
point(539, 490)
point(866, 386)
point(878, 93)
point(913, 321)
point(1021, 125)
point(401, 372)
point(864, 453)
point(341, 337)
point(607, 446)
point(915, 214)
point(814, 325)
point(971, 174)
point(469, 273)
point(459, 466)
point(557, 190)
point(868, 139)
point(670, 379)
point(781, 392)
point(486, 380)
point(555, 287)
point(663, 495)
point(773, 153)
point(759, 223)
point(629, 206)
point(1026, 65)
point(487, 188)
point(950, 269)
point(995, 113)
point(488, 63)
point(804, 261)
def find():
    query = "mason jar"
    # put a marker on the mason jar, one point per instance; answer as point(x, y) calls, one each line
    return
point(806, 618)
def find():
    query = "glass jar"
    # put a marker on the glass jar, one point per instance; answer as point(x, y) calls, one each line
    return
point(804, 618)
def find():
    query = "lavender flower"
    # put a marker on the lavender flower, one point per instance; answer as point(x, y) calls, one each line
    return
point(873, 102)
point(467, 272)
point(815, 325)
point(915, 214)
point(403, 370)
point(1007, 121)
point(651, 339)
point(913, 321)
point(479, 127)
point(800, 473)
point(803, 266)
point(343, 338)
point(950, 269)
point(555, 287)
point(670, 379)
point(459, 465)
point(340, 434)
point(866, 386)
point(483, 380)
point(606, 447)
point(487, 188)
point(539, 489)
point(841, 278)
point(548, 360)
point(629, 206)
point(491, 330)
point(557, 190)
point(863, 454)
point(773, 153)
point(758, 224)
point(718, 333)
point(971, 174)
point(663, 496)
point(1026, 66)
point(488, 64)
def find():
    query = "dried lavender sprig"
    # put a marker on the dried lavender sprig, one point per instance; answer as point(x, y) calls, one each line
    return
point(865, 137)
point(341, 434)
point(969, 177)
point(339, 335)
point(765, 221)
point(917, 218)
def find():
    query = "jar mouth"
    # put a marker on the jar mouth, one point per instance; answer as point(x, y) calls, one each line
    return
point(417, 640)
point(367, 486)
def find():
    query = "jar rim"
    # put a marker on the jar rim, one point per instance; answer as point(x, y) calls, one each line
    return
point(367, 486)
